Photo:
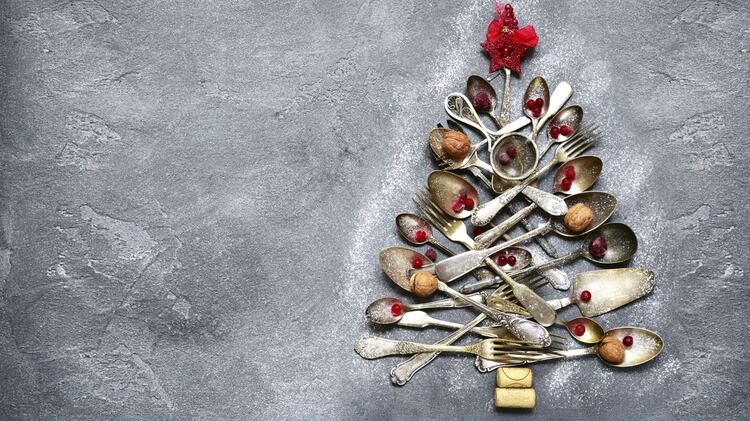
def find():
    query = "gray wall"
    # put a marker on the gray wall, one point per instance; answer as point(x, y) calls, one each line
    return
point(194, 194)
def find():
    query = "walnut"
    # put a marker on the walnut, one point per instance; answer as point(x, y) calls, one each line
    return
point(456, 144)
point(423, 283)
point(578, 218)
point(612, 350)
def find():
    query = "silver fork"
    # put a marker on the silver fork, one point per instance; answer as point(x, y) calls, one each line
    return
point(494, 349)
point(574, 147)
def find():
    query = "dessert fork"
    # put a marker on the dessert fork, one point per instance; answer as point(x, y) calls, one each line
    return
point(494, 349)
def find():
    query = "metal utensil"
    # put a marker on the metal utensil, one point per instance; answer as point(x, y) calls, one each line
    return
point(524, 161)
point(579, 143)
point(647, 345)
point(536, 90)
point(569, 116)
point(373, 347)
point(483, 97)
point(390, 310)
point(602, 206)
point(562, 93)
point(460, 109)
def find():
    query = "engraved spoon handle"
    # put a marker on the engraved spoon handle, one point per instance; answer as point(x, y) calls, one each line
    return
point(488, 237)
point(551, 263)
point(373, 347)
point(546, 201)
point(505, 108)
point(445, 303)
point(404, 371)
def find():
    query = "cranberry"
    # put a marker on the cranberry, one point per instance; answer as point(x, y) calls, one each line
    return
point(579, 329)
point(481, 101)
point(554, 132)
point(420, 236)
point(431, 254)
point(468, 203)
point(586, 296)
point(511, 151)
point(397, 309)
point(416, 263)
point(502, 260)
point(627, 341)
point(565, 130)
point(536, 112)
point(479, 231)
point(598, 246)
point(530, 104)
point(458, 206)
point(512, 260)
point(570, 172)
point(539, 102)
point(504, 159)
point(566, 183)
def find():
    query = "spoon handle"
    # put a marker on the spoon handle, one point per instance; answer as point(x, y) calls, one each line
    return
point(551, 263)
point(543, 243)
point(459, 108)
point(373, 347)
point(488, 237)
point(559, 97)
point(546, 201)
point(403, 372)
point(484, 213)
point(505, 109)
point(557, 278)
point(445, 303)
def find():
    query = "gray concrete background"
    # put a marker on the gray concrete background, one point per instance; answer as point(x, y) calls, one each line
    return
point(194, 194)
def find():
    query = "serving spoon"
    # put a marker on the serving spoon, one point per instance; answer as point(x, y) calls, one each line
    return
point(646, 346)
point(601, 204)
point(396, 262)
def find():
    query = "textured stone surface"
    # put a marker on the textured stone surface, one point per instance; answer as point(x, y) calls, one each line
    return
point(194, 193)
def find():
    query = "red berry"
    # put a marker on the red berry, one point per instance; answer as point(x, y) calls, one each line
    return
point(627, 341)
point(481, 101)
point(502, 260)
point(511, 151)
point(420, 236)
point(512, 260)
point(539, 102)
point(416, 263)
point(530, 103)
point(585, 296)
point(468, 203)
point(579, 329)
point(565, 130)
point(566, 183)
point(479, 231)
point(570, 172)
point(431, 254)
point(458, 206)
point(536, 112)
point(598, 246)
point(554, 132)
point(462, 194)
point(504, 159)
point(396, 309)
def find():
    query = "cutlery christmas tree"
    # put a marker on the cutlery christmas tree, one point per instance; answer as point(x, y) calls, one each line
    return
point(504, 276)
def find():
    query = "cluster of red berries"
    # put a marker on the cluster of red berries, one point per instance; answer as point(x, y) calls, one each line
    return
point(570, 175)
point(464, 202)
point(508, 155)
point(564, 130)
point(506, 259)
point(417, 262)
point(535, 106)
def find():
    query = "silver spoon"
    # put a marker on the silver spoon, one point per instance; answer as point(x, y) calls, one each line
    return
point(390, 310)
point(483, 97)
point(569, 117)
point(460, 109)
point(602, 206)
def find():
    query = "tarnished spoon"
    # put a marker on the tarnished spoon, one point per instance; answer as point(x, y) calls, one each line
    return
point(538, 92)
point(460, 109)
point(601, 204)
point(396, 262)
point(646, 346)
point(417, 231)
point(390, 310)
point(514, 157)
point(568, 116)
point(483, 97)
point(553, 104)
point(421, 320)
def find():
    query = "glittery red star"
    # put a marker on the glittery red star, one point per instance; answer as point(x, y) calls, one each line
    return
point(505, 42)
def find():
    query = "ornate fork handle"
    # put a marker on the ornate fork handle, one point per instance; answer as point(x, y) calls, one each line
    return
point(373, 347)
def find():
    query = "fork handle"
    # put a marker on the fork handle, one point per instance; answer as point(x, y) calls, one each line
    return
point(404, 371)
point(373, 347)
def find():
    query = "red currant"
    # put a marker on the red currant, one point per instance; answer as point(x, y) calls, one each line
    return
point(579, 329)
point(511, 151)
point(431, 254)
point(566, 184)
point(502, 260)
point(420, 236)
point(530, 103)
point(468, 203)
point(416, 263)
point(539, 102)
point(585, 296)
point(554, 132)
point(565, 130)
point(458, 206)
point(504, 159)
point(512, 260)
point(570, 172)
point(396, 309)
point(536, 112)
point(627, 341)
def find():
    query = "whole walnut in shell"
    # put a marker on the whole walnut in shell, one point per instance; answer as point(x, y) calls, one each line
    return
point(456, 144)
point(423, 283)
point(578, 218)
point(612, 350)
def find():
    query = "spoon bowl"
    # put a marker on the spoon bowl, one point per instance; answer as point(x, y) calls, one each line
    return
point(446, 188)
point(396, 262)
point(409, 224)
point(621, 244)
point(602, 205)
point(593, 334)
point(435, 139)
point(587, 168)
point(537, 88)
point(646, 346)
point(381, 311)
point(519, 167)
point(482, 96)
point(522, 256)
point(568, 116)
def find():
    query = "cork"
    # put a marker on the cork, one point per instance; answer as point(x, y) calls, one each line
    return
point(514, 377)
point(515, 398)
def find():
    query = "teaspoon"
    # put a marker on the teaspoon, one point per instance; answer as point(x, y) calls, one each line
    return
point(569, 118)
point(390, 310)
point(483, 97)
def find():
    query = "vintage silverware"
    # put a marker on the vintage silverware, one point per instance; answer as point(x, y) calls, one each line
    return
point(602, 205)
point(537, 89)
point(647, 345)
point(389, 310)
point(560, 96)
point(525, 161)
point(574, 147)
point(569, 116)
point(460, 109)
point(479, 88)
point(373, 347)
